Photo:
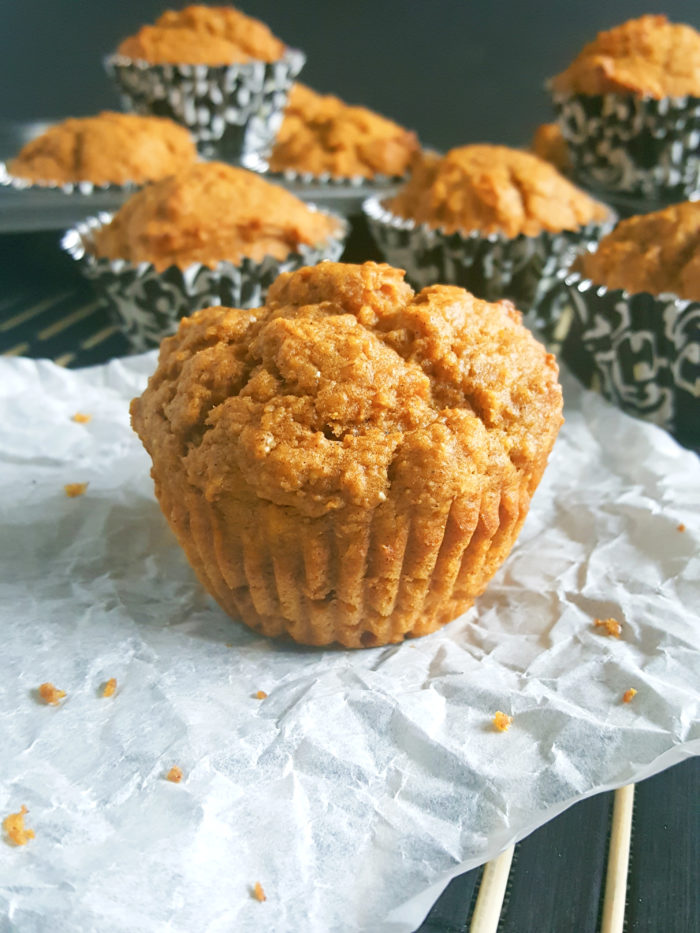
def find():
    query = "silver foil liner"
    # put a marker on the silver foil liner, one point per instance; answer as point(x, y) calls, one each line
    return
point(228, 109)
point(641, 351)
point(147, 304)
point(258, 163)
point(17, 183)
point(633, 145)
point(491, 266)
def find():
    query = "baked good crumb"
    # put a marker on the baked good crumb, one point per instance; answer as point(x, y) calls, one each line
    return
point(81, 418)
point(261, 695)
point(681, 527)
point(110, 687)
point(612, 627)
point(174, 775)
point(502, 721)
point(50, 694)
point(15, 830)
point(75, 489)
point(258, 892)
point(628, 695)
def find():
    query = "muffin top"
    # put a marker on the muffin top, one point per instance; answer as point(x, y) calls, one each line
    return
point(202, 35)
point(321, 134)
point(347, 389)
point(646, 57)
point(110, 148)
point(211, 212)
point(494, 189)
point(654, 253)
point(549, 144)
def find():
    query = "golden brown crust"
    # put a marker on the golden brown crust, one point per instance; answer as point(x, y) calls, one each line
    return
point(647, 56)
point(208, 213)
point(322, 134)
point(352, 461)
point(201, 35)
point(111, 148)
point(549, 144)
point(494, 189)
point(653, 253)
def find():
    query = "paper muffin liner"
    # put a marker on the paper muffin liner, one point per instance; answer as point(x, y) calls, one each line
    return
point(633, 145)
point(258, 163)
point(491, 266)
point(17, 183)
point(364, 579)
point(228, 109)
point(641, 351)
point(147, 304)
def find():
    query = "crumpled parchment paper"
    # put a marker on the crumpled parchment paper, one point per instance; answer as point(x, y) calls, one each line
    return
point(365, 780)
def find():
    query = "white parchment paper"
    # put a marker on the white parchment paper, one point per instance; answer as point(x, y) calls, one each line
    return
point(365, 780)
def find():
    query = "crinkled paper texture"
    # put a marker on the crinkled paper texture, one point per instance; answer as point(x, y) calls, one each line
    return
point(366, 779)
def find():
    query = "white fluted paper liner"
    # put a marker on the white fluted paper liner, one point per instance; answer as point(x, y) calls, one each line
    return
point(365, 780)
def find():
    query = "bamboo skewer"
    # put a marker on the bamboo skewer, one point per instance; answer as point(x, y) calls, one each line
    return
point(492, 889)
point(618, 861)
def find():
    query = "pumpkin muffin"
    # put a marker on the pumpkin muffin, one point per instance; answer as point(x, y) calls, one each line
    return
point(648, 56)
point(494, 189)
point(657, 253)
point(549, 144)
point(320, 134)
point(110, 148)
point(208, 213)
point(352, 461)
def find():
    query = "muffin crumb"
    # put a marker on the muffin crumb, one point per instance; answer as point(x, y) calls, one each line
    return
point(680, 527)
point(174, 775)
point(110, 687)
point(261, 695)
point(75, 489)
point(51, 695)
point(15, 830)
point(258, 892)
point(80, 418)
point(611, 626)
point(502, 721)
point(628, 695)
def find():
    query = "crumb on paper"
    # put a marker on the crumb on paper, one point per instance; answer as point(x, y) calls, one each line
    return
point(174, 775)
point(258, 892)
point(502, 721)
point(261, 695)
point(612, 627)
point(75, 489)
point(681, 527)
point(50, 694)
point(628, 695)
point(110, 687)
point(81, 418)
point(15, 830)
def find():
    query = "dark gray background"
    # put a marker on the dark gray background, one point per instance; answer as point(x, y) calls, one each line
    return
point(456, 71)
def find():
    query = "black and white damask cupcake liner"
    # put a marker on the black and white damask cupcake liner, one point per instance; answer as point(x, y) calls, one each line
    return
point(491, 266)
point(228, 109)
point(641, 351)
point(630, 145)
point(147, 304)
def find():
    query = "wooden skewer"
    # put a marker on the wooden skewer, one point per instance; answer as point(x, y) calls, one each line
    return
point(487, 911)
point(618, 861)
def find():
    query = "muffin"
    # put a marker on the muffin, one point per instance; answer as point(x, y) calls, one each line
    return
point(209, 234)
point(635, 305)
point(497, 220)
point(220, 73)
point(351, 462)
point(629, 109)
point(108, 149)
point(321, 135)
point(549, 144)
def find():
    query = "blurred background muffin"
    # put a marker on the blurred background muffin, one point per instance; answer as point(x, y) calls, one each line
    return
point(549, 144)
point(110, 148)
point(210, 234)
point(352, 462)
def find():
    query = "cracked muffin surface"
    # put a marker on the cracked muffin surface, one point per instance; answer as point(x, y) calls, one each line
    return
point(110, 148)
point(648, 56)
point(494, 189)
point(353, 461)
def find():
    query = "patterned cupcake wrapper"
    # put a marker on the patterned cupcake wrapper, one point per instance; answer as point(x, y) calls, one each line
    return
point(147, 305)
point(491, 266)
point(639, 350)
point(87, 188)
point(635, 146)
point(228, 109)
point(257, 163)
